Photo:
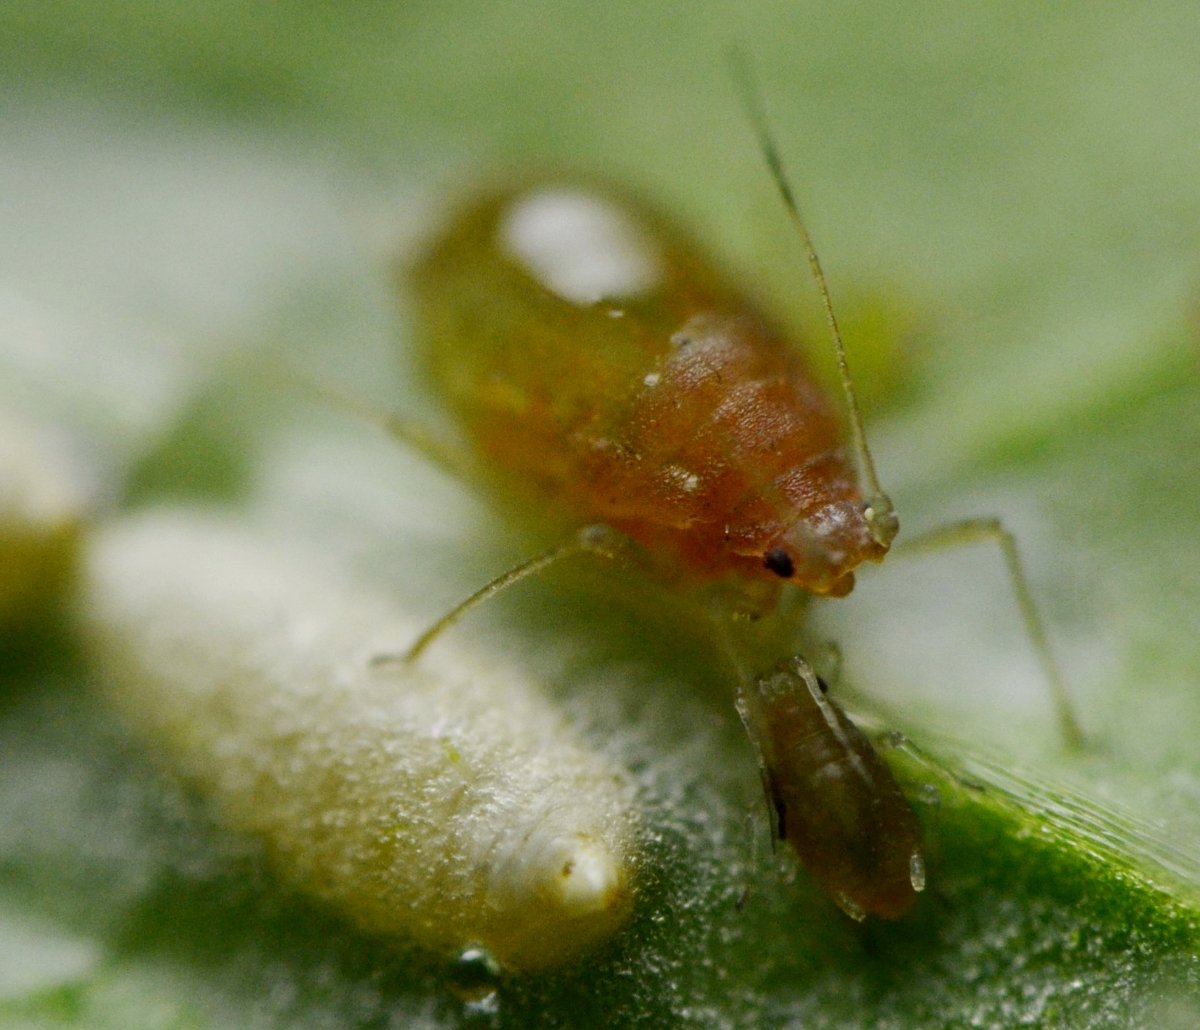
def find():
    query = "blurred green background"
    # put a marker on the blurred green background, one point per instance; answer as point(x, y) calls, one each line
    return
point(1006, 201)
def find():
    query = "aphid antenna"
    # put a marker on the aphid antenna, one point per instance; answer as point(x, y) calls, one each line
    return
point(880, 514)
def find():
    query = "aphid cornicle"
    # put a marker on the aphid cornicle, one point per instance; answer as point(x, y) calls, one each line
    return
point(607, 372)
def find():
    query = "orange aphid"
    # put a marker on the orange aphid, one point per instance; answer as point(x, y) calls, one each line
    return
point(600, 364)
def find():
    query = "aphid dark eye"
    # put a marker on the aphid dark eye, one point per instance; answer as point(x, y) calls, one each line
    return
point(823, 685)
point(779, 562)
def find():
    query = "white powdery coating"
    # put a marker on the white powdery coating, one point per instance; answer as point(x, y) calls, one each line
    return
point(451, 811)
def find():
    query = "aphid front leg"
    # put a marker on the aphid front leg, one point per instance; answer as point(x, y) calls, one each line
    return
point(744, 701)
point(598, 540)
point(971, 531)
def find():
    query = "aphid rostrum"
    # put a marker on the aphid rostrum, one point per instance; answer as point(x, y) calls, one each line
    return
point(608, 374)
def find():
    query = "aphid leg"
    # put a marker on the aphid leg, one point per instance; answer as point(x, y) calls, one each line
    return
point(434, 448)
point(830, 660)
point(744, 702)
point(595, 540)
point(935, 769)
point(412, 434)
point(970, 531)
point(753, 827)
point(928, 794)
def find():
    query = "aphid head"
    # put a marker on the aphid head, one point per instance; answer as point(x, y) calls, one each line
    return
point(820, 551)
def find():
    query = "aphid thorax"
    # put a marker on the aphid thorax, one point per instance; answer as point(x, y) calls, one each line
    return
point(834, 799)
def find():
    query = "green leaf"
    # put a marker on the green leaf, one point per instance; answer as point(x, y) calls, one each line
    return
point(202, 198)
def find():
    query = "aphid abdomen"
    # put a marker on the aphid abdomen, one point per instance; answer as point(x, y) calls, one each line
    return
point(602, 368)
point(536, 380)
point(837, 803)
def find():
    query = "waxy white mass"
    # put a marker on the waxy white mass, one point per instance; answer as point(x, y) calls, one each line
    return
point(452, 810)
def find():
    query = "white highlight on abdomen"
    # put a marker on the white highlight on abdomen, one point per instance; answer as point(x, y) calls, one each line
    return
point(451, 811)
point(580, 247)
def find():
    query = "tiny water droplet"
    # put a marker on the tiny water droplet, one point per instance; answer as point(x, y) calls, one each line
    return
point(916, 871)
point(475, 981)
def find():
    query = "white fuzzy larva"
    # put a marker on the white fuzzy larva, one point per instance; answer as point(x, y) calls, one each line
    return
point(453, 811)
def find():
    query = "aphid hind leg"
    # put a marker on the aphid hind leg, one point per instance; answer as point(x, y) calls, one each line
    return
point(743, 701)
point(409, 432)
point(984, 530)
point(597, 540)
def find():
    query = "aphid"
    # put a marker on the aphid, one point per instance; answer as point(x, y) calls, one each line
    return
point(596, 360)
point(458, 812)
point(608, 377)
point(834, 799)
